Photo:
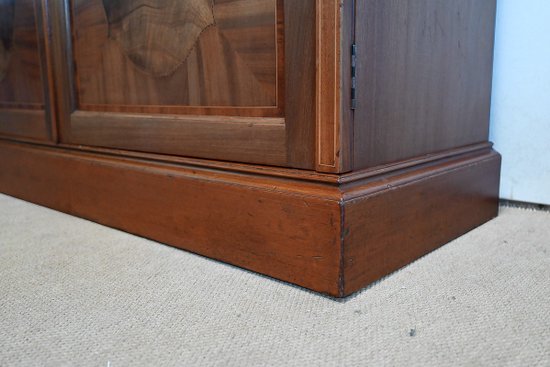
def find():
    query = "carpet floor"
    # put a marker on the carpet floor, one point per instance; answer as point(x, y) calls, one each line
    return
point(75, 293)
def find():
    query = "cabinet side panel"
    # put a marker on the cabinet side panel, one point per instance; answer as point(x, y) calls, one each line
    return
point(424, 77)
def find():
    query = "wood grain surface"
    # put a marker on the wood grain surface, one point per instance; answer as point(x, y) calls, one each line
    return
point(162, 56)
point(334, 239)
point(25, 111)
point(285, 229)
point(300, 79)
point(158, 36)
point(250, 139)
point(20, 76)
point(334, 116)
point(328, 85)
point(424, 77)
point(7, 17)
point(391, 222)
point(24, 123)
point(295, 53)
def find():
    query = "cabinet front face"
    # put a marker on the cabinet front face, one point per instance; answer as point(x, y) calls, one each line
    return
point(22, 95)
point(201, 78)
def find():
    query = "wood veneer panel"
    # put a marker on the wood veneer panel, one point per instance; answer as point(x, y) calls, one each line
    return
point(300, 55)
point(424, 72)
point(334, 37)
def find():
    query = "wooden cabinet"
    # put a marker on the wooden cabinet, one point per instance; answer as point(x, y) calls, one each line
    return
point(322, 142)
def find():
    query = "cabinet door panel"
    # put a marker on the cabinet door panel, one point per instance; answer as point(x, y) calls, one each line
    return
point(177, 56)
point(203, 78)
point(22, 85)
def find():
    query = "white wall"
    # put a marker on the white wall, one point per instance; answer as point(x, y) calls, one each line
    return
point(520, 121)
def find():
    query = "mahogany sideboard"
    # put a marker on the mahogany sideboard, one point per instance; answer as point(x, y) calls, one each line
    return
point(325, 143)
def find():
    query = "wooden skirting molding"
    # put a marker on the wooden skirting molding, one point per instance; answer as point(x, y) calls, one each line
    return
point(329, 236)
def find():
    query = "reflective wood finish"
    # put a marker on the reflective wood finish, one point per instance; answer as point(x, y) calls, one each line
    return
point(178, 56)
point(239, 76)
point(24, 85)
point(334, 239)
point(425, 73)
point(20, 74)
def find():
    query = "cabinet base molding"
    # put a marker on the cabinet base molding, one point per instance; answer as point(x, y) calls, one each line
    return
point(331, 237)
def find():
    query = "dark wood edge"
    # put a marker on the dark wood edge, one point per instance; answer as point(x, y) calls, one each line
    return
point(48, 77)
point(328, 83)
point(300, 59)
point(62, 68)
point(334, 115)
point(256, 140)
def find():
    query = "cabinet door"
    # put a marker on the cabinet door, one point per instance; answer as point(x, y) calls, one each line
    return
point(23, 87)
point(220, 79)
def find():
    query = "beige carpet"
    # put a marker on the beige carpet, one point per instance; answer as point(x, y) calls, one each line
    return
point(74, 293)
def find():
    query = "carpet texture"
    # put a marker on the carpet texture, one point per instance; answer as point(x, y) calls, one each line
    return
point(74, 293)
